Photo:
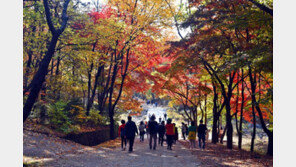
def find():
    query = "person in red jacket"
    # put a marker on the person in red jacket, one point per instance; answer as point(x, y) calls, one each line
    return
point(170, 132)
point(122, 135)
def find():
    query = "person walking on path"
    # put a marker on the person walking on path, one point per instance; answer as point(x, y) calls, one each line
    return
point(176, 136)
point(183, 131)
point(165, 116)
point(122, 134)
point(142, 131)
point(169, 127)
point(201, 130)
point(130, 132)
point(161, 132)
point(153, 126)
point(192, 135)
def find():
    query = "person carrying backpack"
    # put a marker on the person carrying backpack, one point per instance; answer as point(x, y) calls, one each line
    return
point(130, 132)
point(122, 135)
point(153, 126)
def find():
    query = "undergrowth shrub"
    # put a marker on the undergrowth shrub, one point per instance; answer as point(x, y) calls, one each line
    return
point(95, 118)
point(68, 117)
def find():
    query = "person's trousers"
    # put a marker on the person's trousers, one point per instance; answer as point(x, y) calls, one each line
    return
point(160, 139)
point(201, 138)
point(123, 140)
point(154, 137)
point(184, 135)
point(142, 136)
point(170, 140)
point(131, 143)
point(192, 143)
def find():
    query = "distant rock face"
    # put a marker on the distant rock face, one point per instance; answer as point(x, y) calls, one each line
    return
point(90, 138)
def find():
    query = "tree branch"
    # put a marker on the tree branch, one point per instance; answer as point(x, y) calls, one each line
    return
point(262, 7)
point(48, 17)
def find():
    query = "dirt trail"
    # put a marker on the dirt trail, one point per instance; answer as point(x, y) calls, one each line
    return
point(52, 151)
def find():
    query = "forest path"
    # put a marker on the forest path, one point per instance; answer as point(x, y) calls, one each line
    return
point(52, 151)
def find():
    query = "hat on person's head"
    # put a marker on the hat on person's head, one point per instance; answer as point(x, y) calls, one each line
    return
point(169, 120)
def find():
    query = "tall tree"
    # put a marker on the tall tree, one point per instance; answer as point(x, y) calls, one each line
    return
point(39, 77)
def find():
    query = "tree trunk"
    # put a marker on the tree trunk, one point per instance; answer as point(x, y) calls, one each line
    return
point(39, 78)
point(223, 134)
point(215, 129)
point(91, 99)
point(229, 125)
point(240, 136)
point(254, 129)
point(265, 129)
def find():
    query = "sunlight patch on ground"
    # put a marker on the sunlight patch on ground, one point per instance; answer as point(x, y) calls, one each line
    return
point(31, 160)
point(133, 155)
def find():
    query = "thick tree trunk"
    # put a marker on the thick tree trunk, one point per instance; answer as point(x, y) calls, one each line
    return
point(111, 126)
point(229, 125)
point(270, 144)
point(39, 78)
point(215, 129)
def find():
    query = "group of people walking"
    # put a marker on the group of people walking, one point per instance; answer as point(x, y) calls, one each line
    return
point(127, 132)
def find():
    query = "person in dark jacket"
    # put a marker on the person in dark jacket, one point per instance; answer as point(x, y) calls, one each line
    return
point(201, 132)
point(153, 126)
point(161, 132)
point(130, 132)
